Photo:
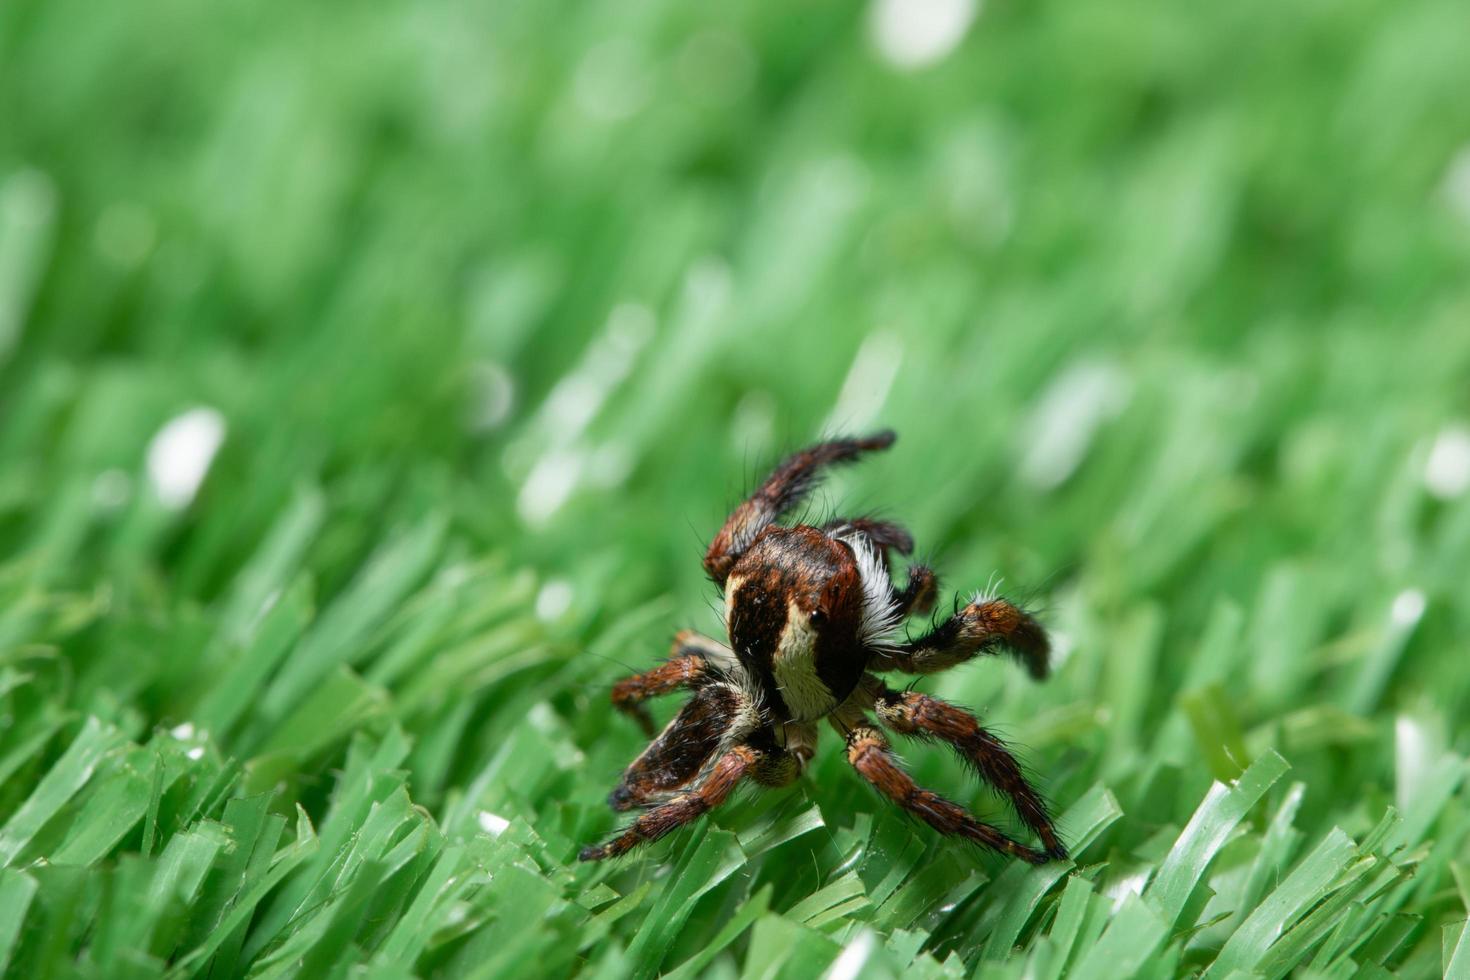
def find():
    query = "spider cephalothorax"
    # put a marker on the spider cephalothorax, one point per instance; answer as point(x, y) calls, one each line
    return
point(812, 617)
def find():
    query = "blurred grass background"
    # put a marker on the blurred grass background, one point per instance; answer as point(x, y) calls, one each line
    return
point(371, 377)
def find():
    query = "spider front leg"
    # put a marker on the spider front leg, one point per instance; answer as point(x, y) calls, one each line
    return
point(660, 820)
point(717, 713)
point(917, 597)
point(930, 719)
point(764, 763)
point(869, 754)
point(886, 535)
point(781, 491)
point(983, 626)
point(685, 668)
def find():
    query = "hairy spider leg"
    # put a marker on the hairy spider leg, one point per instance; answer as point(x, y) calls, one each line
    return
point(885, 534)
point(787, 485)
point(688, 667)
point(769, 766)
point(716, 715)
point(983, 627)
point(917, 597)
point(684, 808)
point(869, 753)
point(927, 718)
point(629, 693)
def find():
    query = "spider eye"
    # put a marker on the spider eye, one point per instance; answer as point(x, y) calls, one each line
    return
point(817, 616)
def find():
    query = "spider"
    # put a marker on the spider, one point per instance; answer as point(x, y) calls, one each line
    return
point(813, 618)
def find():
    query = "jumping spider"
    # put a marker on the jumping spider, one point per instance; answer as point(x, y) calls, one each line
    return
point(812, 617)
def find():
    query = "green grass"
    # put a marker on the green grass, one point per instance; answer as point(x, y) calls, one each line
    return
point(502, 305)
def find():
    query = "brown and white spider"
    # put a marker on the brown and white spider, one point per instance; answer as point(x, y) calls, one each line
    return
point(812, 618)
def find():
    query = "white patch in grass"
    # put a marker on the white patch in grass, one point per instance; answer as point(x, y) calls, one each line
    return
point(1131, 885)
point(28, 205)
point(609, 465)
point(1062, 646)
point(183, 732)
point(492, 396)
point(1066, 419)
point(1414, 758)
point(913, 34)
point(579, 396)
point(492, 823)
point(554, 438)
point(867, 384)
point(112, 489)
point(1456, 186)
point(849, 966)
point(1408, 607)
point(1447, 470)
point(180, 454)
point(454, 576)
point(549, 484)
point(196, 753)
point(554, 599)
point(704, 296)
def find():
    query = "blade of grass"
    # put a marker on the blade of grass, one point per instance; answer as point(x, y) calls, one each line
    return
point(61, 782)
point(1222, 809)
point(1313, 879)
point(16, 891)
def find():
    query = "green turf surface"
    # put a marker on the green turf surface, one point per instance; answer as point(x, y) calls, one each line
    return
point(493, 309)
